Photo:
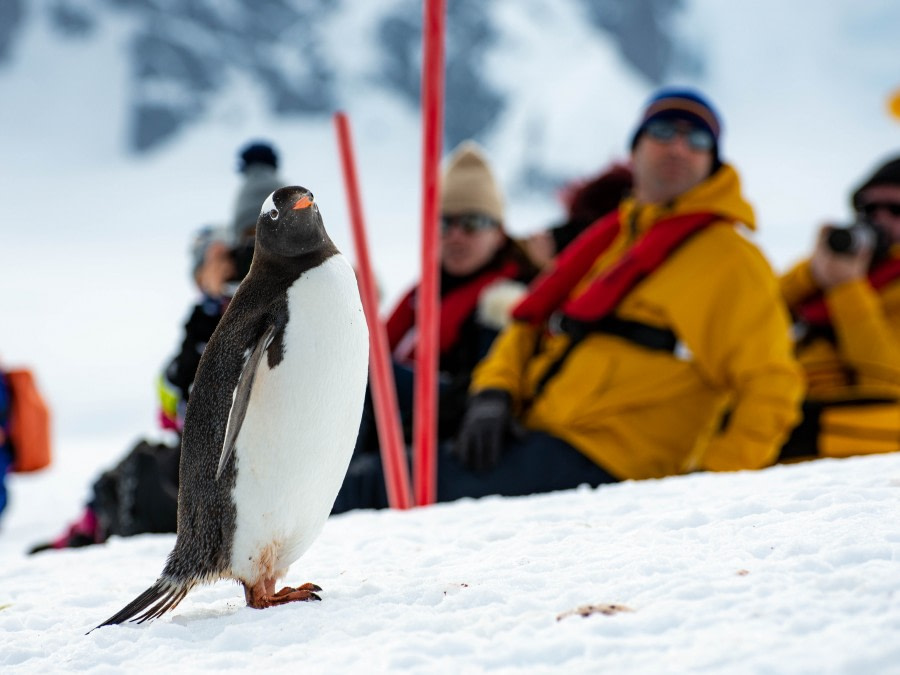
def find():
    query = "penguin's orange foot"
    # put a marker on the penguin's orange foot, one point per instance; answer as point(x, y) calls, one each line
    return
point(305, 587)
point(262, 594)
point(304, 593)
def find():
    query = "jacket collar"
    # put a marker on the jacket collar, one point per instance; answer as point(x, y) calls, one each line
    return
point(719, 194)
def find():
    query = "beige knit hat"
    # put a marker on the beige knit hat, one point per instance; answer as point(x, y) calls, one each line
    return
point(469, 185)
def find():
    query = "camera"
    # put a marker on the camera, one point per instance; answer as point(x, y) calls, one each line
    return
point(241, 256)
point(848, 239)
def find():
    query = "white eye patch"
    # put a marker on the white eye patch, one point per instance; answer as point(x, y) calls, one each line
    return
point(269, 208)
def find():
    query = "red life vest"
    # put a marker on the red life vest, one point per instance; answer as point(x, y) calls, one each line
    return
point(550, 292)
point(456, 306)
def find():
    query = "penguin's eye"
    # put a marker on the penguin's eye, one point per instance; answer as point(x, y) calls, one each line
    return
point(273, 214)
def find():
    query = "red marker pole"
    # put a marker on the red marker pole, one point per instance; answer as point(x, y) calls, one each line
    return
point(384, 393)
point(427, 316)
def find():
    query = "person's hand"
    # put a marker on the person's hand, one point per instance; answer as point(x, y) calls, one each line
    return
point(483, 430)
point(540, 248)
point(216, 270)
point(831, 269)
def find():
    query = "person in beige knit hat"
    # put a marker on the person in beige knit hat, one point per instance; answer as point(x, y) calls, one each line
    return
point(475, 253)
point(483, 272)
point(471, 212)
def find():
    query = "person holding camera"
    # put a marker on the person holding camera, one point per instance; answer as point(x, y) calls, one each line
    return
point(140, 493)
point(622, 358)
point(221, 258)
point(845, 300)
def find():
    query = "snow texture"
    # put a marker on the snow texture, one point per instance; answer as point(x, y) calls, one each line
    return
point(794, 569)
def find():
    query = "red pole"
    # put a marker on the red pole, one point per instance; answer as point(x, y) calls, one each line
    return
point(427, 317)
point(384, 393)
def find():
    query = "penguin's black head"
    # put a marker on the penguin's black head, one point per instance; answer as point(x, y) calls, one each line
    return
point(290, 225)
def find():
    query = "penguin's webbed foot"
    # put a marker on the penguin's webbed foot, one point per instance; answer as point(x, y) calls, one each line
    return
point(261, 596)
point(304, 593)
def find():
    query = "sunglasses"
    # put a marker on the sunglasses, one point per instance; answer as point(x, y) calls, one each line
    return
point(872, 208)
point(665, 131)
point(468, 222)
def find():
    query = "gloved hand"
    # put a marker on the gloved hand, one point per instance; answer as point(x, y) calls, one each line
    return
point(483, 431)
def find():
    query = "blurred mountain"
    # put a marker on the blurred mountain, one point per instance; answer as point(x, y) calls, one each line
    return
point(182, 55)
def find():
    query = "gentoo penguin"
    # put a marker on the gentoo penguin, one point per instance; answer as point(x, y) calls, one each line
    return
point(272, 417)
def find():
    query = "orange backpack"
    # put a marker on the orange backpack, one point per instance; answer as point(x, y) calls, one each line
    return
point(29, 423)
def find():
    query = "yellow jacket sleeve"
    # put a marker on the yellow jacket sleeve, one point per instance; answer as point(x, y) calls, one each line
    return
point(868, 341)
point(504, 366)
point(797, 284)
point(740, 338)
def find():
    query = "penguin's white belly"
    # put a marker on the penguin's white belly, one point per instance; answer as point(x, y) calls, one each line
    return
point(301, 424)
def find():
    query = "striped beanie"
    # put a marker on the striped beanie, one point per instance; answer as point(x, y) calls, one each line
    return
point(680, 104)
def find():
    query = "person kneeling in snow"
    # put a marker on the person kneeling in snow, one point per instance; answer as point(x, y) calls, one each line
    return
point(140, 494)
point(846, 306)
point(624, 355)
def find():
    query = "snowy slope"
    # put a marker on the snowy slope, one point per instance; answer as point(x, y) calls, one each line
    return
point(793, 569)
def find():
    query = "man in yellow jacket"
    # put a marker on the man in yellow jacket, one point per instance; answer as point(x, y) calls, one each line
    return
point(624, 356)
point(639, 387)
point(846, 303)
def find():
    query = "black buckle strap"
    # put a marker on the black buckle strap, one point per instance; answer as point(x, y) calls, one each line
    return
point(642, 334)
point(649, 337)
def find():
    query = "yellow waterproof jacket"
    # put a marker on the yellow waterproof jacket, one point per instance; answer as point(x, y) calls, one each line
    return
point(863, 361)
point(640, 413)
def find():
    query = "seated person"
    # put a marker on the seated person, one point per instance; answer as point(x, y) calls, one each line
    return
point(622, 358)
point(140, 494)
point(846, 305)
point(481, 275)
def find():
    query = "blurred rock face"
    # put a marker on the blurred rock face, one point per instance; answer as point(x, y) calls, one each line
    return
point(182, 54)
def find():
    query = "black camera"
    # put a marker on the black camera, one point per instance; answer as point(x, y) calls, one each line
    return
point(242, 255)
point(849, 239)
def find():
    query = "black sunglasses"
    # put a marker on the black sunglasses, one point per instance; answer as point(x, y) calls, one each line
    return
point(468, 222)
point(665, 131)
point(872, 208)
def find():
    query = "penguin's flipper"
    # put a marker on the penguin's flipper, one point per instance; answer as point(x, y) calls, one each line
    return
point(241, 397)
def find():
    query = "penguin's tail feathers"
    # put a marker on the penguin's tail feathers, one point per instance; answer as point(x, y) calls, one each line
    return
point(152, 603)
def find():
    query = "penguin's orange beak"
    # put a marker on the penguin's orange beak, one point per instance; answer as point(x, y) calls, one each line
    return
point(303, 203)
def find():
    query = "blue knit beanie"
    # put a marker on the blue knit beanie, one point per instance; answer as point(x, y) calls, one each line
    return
point(258, 152)
point(681, 104)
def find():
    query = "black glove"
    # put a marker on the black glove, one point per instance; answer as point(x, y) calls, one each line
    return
point(484, 428)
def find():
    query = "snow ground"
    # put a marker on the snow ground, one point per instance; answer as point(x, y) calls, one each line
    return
point(795, 569)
